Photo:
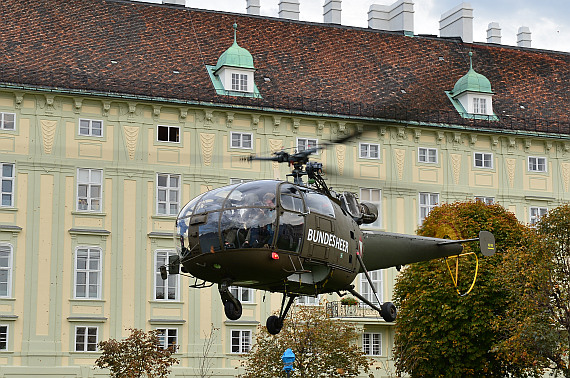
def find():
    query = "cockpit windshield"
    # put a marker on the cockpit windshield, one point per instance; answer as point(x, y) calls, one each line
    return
point(319, 203)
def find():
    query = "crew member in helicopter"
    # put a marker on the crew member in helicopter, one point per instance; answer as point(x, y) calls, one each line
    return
point(261, 232)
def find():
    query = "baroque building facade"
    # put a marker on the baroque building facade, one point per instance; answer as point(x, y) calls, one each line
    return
point(134, 109)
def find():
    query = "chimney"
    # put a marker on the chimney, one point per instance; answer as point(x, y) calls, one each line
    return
point(331, 11)
point(494, 33)
point(180, 3)
point(523, 37)
point(289, 9)
point(458, 22)
point(253, 7)
point(396, 17)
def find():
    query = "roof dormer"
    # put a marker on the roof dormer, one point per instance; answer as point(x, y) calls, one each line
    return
point(233, 74)
point(472, 95)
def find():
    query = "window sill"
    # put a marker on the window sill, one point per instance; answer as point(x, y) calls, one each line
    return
point(89, 213)
point(87, 301)
point(164, 217)
point(8, 208)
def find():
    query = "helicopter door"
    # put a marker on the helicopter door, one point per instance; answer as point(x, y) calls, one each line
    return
point(291, 219)
point(320, 251)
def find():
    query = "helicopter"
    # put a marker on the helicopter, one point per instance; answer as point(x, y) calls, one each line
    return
point(293, 238)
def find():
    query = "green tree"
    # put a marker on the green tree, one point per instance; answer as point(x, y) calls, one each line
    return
point(140, 354)
point(442, 334)
point(555, 231)
point(323, 347)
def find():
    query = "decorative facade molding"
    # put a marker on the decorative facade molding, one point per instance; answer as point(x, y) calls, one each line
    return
point(207, 147)
point(340, 157)
point(48, 134)
point(131, 138)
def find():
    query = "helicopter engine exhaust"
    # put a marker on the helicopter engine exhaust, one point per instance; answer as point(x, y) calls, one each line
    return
point(369, 212)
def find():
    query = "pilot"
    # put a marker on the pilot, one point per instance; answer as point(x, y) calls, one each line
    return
point(261, 232)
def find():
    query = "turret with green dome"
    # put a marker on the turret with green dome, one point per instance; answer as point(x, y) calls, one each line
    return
point(235, 56)
point(472, 81)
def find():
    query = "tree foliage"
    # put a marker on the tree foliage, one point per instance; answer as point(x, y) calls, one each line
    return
point(140, 354)
point(439, 333)
point(323, 347)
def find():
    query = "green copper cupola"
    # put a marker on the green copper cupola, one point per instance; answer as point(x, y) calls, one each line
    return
point(234, 71)
point(472, 95)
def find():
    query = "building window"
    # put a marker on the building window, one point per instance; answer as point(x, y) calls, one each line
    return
point(167, 194)
point(241, 341)
point(7, 177)
point(165, 289)
point(372, 344)
point(243, 294)
point(427, 155)
point(536, 213)
point(479, 105)
point(306, 300)
point(168, 134)
point(369, 151)
point(485, 200)
point(239, 82)
point(306, 143)
point(483, 160)
point(168, 337)
point(373, 196)
point(5, 270)
point(366, 289)
point(427, 202)
point(536, 164)
point(242, 140)
point(88, 273)
point(7, 121)
point(89, 189)
point(90, 127)
point(3, 337)
point(86, 339)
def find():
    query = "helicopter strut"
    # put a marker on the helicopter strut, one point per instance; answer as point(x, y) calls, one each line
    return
point(387, 309)
point(232, 306)
point(275, 323)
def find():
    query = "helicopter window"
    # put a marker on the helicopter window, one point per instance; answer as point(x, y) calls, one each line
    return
point(248, 228)
point(319, 203)
point(208, 234)
point(255, 193)
point(213, 199)
point(292, 203)
point(349, 203)
point(290, 234)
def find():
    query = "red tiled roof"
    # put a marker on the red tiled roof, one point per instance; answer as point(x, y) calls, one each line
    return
point(316, 67)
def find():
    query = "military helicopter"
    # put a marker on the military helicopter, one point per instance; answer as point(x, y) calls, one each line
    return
point(293, 238)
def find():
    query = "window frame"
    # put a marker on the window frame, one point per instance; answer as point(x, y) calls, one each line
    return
point(239, 292)
point(486, 200)
point(241, 140)
point(307, 140)
point(168, 191)
point(86, 343)
point(3, 121)
point(164, 338)
point(368, 151)
point(308, 300)
point(427, 155)
point(168, 133)
point(534, 219)
point(9, 269)
point(377, 277)
point(377, 224)
point(90, 127)
point(484, 155)
point(537, 164)
point(242, 346)
point(88, 272)
point(371, 343)
point(428, 207)
point(90, 184)
point(6, 340)
point(480, 105)
point(166, 287)
point(12, 180)
point(238, 85)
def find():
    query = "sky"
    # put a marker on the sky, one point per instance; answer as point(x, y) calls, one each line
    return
point(548, 20)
